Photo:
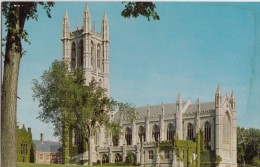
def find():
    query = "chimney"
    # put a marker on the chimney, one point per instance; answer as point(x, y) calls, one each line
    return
point(41, 138)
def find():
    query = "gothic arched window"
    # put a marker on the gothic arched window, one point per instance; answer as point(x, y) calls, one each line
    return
point(98, 56)
point(115, 140)
point(78, 137)
point(24, 149)
point(170, 131)
point(207, 135)
point(118, 158)
point(190, 131)
point(141, 134)
point(92, 54)
point(128, 136)
point(156, 133)
point(73, 55)
point(105, 159)
point(81, 53)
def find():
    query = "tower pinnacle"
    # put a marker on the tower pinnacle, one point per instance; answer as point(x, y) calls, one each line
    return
point(66, 26)
point(86, 20)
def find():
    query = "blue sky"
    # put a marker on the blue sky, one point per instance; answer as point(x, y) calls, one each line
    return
point(189, 51)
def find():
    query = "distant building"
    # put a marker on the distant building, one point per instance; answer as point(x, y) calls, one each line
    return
point(47, 152)
point(25, 146)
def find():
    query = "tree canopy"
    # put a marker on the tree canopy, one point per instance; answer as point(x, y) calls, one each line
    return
point(248, 146)
point(66, 101)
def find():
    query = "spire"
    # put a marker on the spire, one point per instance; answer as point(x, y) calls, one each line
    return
point(148, 110)
point(66, 14)
point(179, 100)
point(105, 16)
point(86, 11)
point(232, 95)
point(179, 103)
point(198, 103)
point(162, 109)
point(218, 92)
point(233, 101)
point(86, 20)
point(218, 100)
point(226, 95)
point(105, 28)
point(66, 26)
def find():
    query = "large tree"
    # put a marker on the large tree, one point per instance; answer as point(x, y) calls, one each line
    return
point(66, 101)
point(16, 14)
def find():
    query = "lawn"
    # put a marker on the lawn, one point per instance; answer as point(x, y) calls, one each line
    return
point(20, 164)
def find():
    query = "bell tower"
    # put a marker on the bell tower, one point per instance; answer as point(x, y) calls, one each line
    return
point(87, 48)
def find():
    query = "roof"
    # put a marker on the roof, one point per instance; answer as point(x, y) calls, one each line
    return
point(169, 109)
point(47, 146)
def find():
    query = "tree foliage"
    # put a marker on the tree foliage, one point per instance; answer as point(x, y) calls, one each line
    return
point(135, 9)
point(248, 146)
point(65, 98)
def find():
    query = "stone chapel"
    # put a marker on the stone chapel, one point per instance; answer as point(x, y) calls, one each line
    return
point(88, 48)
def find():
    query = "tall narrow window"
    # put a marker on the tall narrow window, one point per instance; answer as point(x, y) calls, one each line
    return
point(92, 54)
point(150, 154)
point(98, 56)
point(128, 136)
point(167, 154)
point(170, 131)
point(141, 134)
point(78, 137)
point(105, 159)
point(118, 158)
point(156, 133)
point(207, 135)
point(81, 53)
point(115, 140)
point(190, 131)
point(73, 55)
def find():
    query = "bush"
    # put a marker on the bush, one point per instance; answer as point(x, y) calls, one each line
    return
point(130, 158)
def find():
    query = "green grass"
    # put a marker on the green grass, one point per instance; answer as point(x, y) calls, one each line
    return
point(20, 164)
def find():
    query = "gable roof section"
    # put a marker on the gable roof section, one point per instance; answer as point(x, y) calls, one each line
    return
point(169, 109)
point(47, 146)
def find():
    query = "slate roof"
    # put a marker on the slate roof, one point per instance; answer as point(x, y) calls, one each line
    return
point(169, 109)
point(206, 106)
point(47, 146)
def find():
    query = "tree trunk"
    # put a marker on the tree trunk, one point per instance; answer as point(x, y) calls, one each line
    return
point(90, 150)
point(8, 115)
point(9, 90)
point(16, 19)
point(65, 142)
